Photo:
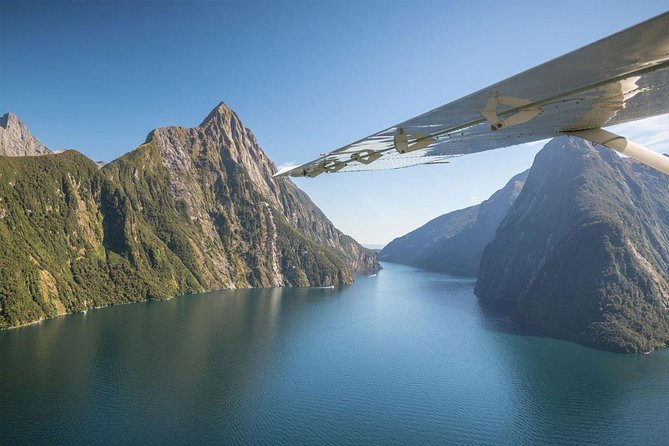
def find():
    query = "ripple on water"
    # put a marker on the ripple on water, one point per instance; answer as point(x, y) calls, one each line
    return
point(405, 357)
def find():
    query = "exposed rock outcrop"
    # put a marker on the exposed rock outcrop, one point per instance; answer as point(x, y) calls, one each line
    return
point(16, 140)
point(189, 210)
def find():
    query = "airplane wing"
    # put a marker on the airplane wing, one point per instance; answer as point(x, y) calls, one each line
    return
point(621, 78)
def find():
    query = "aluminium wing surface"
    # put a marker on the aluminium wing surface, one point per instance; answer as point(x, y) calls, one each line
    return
point(621, 78)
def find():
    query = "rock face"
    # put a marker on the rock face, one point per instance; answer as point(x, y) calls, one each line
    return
point(187, 211)
point(453, 243)
point(583, 253)
point(16, 140)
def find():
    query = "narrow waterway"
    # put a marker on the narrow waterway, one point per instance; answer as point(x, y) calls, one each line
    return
point(405, 357)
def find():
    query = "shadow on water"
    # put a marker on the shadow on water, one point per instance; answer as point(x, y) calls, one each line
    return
point(568, 393)
point(573, 394)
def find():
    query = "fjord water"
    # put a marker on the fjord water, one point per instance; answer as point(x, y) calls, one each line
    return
point(406, 357)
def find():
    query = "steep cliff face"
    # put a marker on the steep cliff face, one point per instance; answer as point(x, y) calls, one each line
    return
point(16, 140)
point(189, 210)
point(237, 225)
point(453, 243)
point(583, 253)
point(69, 242)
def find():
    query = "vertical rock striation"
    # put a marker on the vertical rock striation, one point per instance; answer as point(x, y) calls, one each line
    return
point(191, 209)
point(583, 253)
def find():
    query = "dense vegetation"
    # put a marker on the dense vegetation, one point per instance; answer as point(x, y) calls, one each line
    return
point(65, 242)
point(583, 253)
point(188, 211)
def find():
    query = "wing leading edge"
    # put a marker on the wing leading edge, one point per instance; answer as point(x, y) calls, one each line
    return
point(621, 78)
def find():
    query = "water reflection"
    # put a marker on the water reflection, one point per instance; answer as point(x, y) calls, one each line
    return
point(407, 357)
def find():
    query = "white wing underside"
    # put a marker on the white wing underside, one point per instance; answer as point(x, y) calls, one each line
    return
point(621, 78)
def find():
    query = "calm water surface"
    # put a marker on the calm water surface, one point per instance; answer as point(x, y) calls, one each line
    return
point(405, 357)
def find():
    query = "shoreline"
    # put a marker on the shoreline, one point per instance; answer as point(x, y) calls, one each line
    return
point(27, 324)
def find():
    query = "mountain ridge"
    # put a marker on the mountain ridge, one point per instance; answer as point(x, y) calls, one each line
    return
point(583, 253)
point(190, 209)
point(453, 242)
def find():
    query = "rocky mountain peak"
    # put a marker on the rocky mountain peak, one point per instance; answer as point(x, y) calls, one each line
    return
point(221, 141)
point(221, 158)
point(223, 125)
point(16, 139)
point(189, 210)
point(7, 118)
point(221, 114)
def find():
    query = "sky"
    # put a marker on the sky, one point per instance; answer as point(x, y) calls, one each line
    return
point(305, 77)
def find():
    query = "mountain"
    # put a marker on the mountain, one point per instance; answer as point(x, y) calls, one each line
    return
point(453, 243)
point(16, 140)
point(189, 210)
point(583, 253)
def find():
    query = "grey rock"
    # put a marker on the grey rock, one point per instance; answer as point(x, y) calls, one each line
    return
point(16, 140)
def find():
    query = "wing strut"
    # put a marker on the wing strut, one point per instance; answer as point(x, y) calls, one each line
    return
point(626, 147)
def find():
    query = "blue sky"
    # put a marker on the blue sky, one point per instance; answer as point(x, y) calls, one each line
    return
point(306, 77)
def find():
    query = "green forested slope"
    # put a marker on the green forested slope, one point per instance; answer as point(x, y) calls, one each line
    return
point(189, 210)
point(583, 253)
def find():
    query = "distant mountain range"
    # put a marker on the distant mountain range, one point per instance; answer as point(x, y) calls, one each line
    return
point(454, 242)
point(189, 210)
point(580, 253)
